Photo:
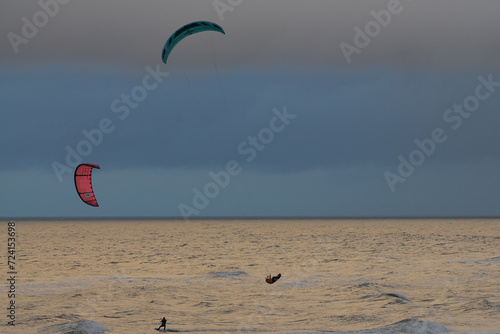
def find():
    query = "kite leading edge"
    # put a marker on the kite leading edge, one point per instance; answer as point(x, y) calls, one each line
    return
point(184, 31)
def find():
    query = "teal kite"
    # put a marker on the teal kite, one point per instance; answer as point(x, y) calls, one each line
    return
point(183, 32)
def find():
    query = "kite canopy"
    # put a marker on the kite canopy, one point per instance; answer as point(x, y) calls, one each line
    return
point(83, 183)
point(183, 32)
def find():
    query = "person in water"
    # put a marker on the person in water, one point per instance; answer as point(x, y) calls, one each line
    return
point(272, 279)
point(163, 324)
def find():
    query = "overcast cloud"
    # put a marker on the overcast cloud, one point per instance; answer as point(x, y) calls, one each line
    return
point(351, 118)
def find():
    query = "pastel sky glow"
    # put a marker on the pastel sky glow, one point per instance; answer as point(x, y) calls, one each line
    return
point(304, 108)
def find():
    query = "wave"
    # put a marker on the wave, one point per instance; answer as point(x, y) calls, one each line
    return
point(479, 305)
point(229, 274)
point(412, 325)
point(492, 260)
point(204, 304)
point(398, 296)
point(80, 326)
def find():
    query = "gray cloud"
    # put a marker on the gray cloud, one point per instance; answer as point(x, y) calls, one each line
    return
point(343, 119)
point(295, 33)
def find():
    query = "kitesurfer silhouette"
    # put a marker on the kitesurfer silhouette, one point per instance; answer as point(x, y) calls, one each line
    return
point(163, 324)
point(272, 279)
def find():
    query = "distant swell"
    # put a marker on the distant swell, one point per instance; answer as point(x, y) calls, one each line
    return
point(225, 274)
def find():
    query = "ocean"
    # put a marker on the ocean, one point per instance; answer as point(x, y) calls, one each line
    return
point(208, 276)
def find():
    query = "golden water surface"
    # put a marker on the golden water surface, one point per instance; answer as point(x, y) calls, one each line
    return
point(338, 275)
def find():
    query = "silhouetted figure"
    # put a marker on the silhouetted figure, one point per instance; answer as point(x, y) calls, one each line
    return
point(272, 279)
point(163, 324)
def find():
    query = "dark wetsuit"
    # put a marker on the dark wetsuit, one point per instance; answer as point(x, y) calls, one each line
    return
point(273, 279)
point(163, 324)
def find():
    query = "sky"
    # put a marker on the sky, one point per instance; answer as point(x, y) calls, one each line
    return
point(301, 109)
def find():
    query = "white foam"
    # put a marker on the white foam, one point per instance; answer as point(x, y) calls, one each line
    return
point(80, 326)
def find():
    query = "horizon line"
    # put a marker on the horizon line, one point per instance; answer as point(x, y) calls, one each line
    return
point(204, 218)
